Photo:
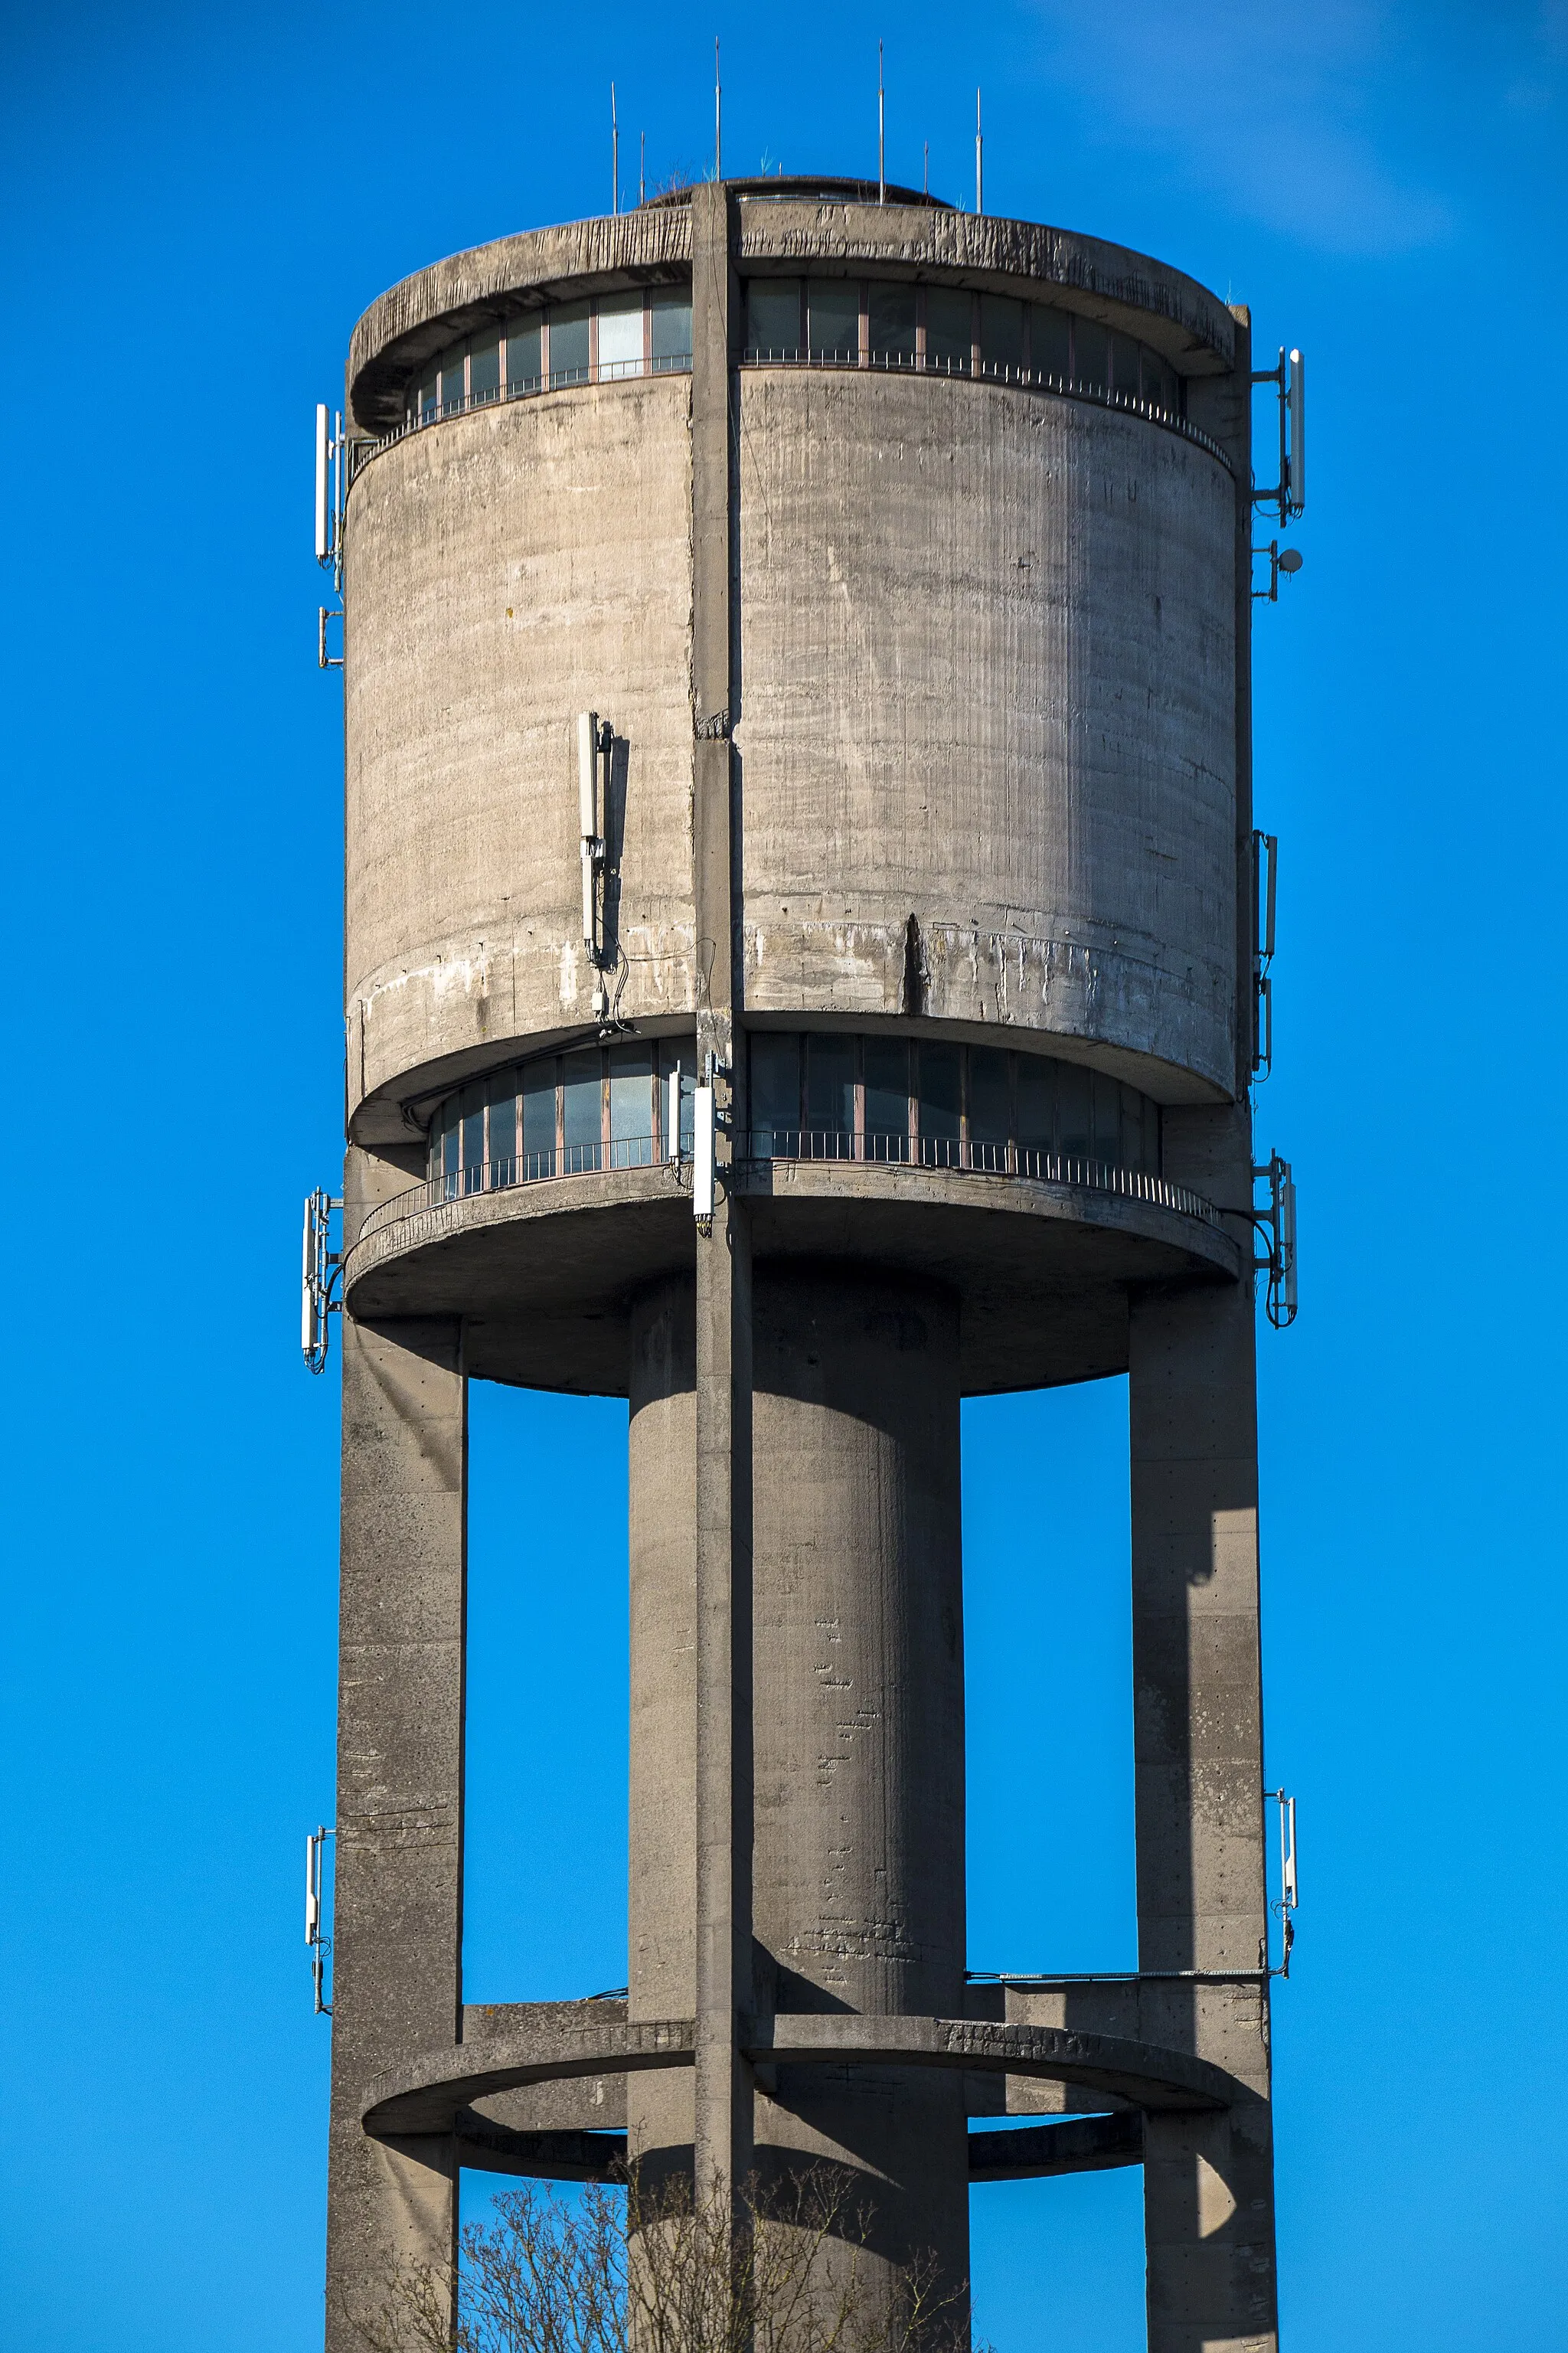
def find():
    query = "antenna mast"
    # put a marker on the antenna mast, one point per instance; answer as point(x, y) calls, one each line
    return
point(979, 159)
point(615, 156)
point(718, 119)
point(882, 134)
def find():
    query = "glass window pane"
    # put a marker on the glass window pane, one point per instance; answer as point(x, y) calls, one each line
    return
point(539, 1119)
point(1133, 1152)
point(620, 335)
point(1001, 331)
point(1160, 385)
point(775, 1090)
point(569, 344)
point(631, 1106)
point(452, 389)
point(988, 1107)
point(1050, 341)
point(1107, 1119)
point(484, 365)
point(891, 321)
point(671, 325)
point(449, 1136)
point(1090, 352)
point(1036, 1085)
point(940, 1100)
point(1072, 1110)
point(472, 1104)
point(830, 1096)
point(523, 351)
point(950, 329)
point(833, 319)
point(581, 1108)
point(425, 398)
point(1124, 365)
point(773, 314)
point(887, 1098)
point(502, 1143)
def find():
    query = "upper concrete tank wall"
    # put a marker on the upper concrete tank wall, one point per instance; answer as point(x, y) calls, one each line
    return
point(986, 676)
point(987, 654)
point(508, 569)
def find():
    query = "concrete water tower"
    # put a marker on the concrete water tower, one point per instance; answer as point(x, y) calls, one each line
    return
point(801, 970)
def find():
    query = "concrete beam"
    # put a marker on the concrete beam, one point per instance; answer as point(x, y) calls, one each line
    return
point(1075, 2145)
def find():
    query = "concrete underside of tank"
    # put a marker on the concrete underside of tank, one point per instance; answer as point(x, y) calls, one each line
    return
point(545, 1275)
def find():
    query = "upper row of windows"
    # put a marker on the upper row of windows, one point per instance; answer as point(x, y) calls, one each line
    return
point(641, 332)
point(949, 330)
point(834, 321)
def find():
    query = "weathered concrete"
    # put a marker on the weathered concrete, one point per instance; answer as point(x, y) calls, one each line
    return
point(986, 672)
point(1123, 289)
point(397, 1935)
point(986, 648)
point(507, 570)
point(931, 709)
point(1202, 1895)
point(859, 1869)
point(543, 1274)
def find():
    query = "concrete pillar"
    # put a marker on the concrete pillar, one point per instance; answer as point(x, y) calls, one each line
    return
point(858, 1734)
point(661, 1922)
point(397, 1933)
point(1202, 1890)
point(859, 1889)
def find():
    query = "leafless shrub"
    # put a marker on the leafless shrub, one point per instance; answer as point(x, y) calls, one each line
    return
point(658, 2272)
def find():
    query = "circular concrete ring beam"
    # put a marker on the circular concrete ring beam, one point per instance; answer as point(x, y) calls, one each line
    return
point(428, 2096)
point(542, 1273)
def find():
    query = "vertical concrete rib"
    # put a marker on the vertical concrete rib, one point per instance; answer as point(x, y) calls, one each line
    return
point(722, 2125)
point(397, 1933)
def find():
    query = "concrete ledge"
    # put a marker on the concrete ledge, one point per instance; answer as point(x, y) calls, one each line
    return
point(1075, 2145)
point(428, 2096)
point(543, 1274)
point(1147, 2078)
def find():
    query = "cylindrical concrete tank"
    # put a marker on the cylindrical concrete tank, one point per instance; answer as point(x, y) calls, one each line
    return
point(898, 556)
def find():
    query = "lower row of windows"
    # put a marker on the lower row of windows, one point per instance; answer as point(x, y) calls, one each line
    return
point(814, 1095)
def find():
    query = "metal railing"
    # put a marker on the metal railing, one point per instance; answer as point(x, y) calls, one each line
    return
point(363, 451)
point(772, 1144)
point(504, 1176)
point(990, 371)
point(971, 1155)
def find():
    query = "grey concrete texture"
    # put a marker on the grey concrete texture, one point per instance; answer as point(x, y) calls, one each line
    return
point(1108, 282)
point(1202, 1886)
point(986, 646)
point(986, 671)
point(507, 570)
point(932, 712)
point(543, 1275)
point(397, 1932)
point(857, 1865)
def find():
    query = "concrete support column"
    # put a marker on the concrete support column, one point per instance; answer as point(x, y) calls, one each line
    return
point(858, 1872)
point(397, 1935)
point(1202, 1890)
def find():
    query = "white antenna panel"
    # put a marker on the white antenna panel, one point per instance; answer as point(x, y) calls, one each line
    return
point(323, 501)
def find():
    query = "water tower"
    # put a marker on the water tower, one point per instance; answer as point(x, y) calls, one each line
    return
point(804, 967)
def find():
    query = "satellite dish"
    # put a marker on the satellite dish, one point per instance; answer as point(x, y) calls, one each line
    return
point(1290, 559)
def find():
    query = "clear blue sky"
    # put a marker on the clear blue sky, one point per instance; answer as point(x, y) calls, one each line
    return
point(198, 202)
